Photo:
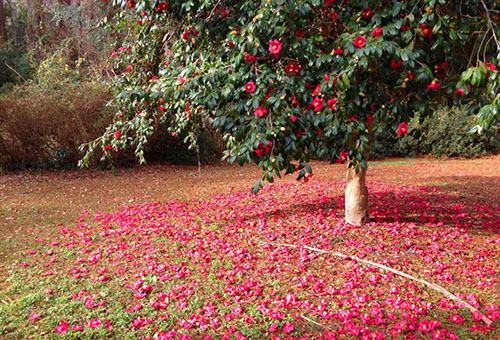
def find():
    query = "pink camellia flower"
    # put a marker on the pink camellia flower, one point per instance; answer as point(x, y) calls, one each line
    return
point(275, 47)
point(77, 328)
point(293, 119)
point(377, 32)
point(250, 58)
point(62, 327)
point(184, 337)
point(260, 112)
point(47, 291)
point(250, 87)
point(403, 129)
point(456, 318)
point(359, 41)
point(288, 327)
point(491, 66)
point(273, 328)
point(35, 316)
point(94, 323)
point(181, 79)
point(434, 86)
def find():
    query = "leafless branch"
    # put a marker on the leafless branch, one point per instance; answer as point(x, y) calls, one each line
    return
point(490, 23)
point(395, 271)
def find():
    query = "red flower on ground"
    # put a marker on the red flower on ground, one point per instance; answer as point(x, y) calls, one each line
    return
point(260, 112)
point(456, 318)
point(250, 58)
point(288, 327)
point(62, 327)
point(377, 32)
point(250, 87)
point(275, 47)
point(359, 41)
point(403, 129)
point(162, 6)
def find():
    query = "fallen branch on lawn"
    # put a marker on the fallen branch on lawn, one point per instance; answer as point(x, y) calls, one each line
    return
point(389, 269)
point(316, 323)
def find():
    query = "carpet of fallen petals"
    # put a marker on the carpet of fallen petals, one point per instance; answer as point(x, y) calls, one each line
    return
point(219, 267)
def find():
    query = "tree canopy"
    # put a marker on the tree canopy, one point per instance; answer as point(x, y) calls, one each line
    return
point(286, 81)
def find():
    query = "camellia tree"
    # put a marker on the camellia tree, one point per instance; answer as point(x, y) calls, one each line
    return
point(285, 81)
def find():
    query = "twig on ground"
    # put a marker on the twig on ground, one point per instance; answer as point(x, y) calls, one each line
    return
point(395, 271)
point(316, 323)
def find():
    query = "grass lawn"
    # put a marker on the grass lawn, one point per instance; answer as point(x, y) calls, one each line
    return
point(156, 252)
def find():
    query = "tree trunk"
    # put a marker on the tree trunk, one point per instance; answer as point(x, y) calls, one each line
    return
point(356, 197)
point(3, 30)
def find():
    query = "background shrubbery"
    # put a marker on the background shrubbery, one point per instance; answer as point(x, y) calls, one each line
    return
point(44, 120)
point(443, 134)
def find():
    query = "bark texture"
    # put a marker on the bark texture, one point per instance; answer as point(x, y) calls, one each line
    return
point(356, 197)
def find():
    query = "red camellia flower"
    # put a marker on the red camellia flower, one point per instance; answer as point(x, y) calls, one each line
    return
point(403, 129)
point(360, 41)
point(299, 34)
point(275, 47)
point(491, 66)
point(338, 50)
point(317, 103)
point(260, 112)
point(367, 13)
point(162, 6)
point(293, 119)
point(396, 64)
point(434, 86)
point(426, 31)
point(460, 91)
point(250, 58)
point(293, 69)
point(328, 2)
point(377, 32)
point(118, 135)
point(331, 104)
point(250, 87)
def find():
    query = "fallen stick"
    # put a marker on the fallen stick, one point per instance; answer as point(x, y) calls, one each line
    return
point(389, 269)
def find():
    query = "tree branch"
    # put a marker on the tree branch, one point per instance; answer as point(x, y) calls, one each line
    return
point(490, 23)
point(389, 269)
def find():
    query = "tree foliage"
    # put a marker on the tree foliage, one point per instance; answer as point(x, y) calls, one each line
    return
point(288, 80)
